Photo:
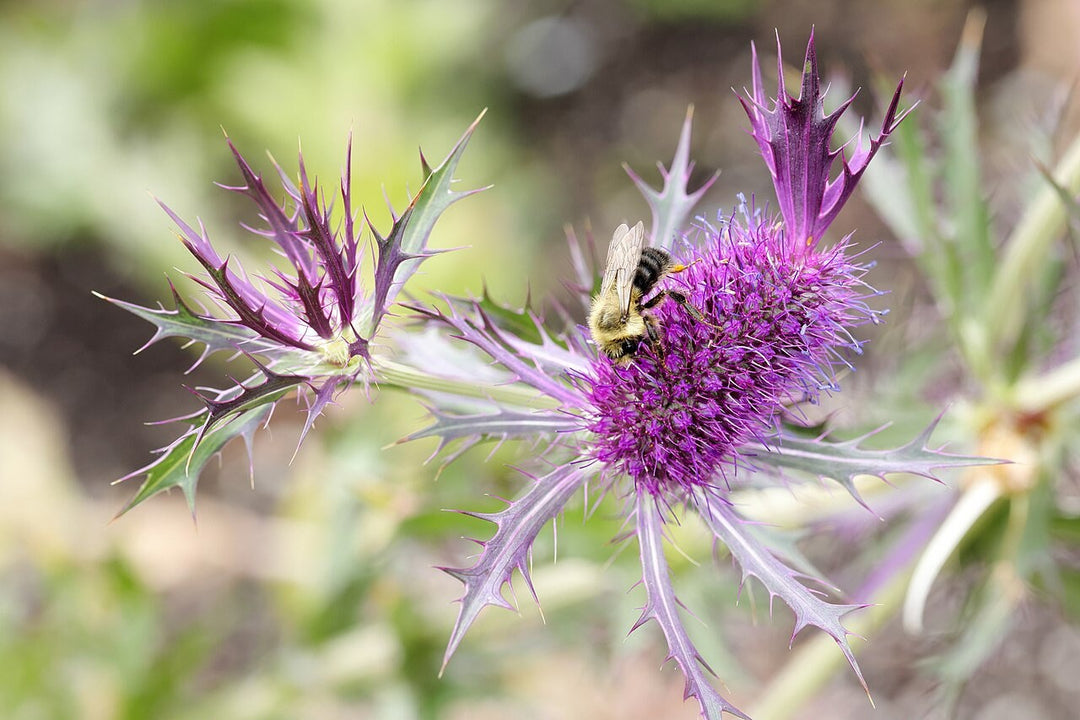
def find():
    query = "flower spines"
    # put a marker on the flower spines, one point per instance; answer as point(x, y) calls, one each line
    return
point(337, 259)
point(662, 606)
point(794, 137)
point(404, 247)
point(253, 308)
point(474, 325)
point(307, 324)
point(320, 298)
point(325, 288)
point(517, 526)
point(284, 229)
point(672, 204)
point(757, 559)
point(676, 417)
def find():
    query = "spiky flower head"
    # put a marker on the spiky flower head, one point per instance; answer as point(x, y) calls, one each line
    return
point(777, 309)
point(767, 317)
point(772, 323)
point(307, 325)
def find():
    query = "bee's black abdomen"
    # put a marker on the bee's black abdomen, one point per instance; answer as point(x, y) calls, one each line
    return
point(653, 265)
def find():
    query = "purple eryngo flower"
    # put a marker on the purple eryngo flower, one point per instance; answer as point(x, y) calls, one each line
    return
point(777, 310)
point(699, 413)
point(774, 321)
point(308, 328)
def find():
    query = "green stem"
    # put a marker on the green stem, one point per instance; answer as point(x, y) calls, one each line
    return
point(1045, 392)
point(388, 372)
point(972, 505)
point(1026, 248)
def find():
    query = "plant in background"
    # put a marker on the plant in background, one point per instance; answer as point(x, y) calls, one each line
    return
point(707, 409)
point(1007, 302)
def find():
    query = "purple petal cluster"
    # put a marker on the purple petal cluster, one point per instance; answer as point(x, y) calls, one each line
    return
point(776, 310)
point(773, 324)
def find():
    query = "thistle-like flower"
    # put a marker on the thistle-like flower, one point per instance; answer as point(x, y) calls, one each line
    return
point(308, 329)
point(701, 411)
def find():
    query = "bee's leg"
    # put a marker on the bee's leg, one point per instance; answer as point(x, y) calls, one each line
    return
point(652, 332)
point(656, 300)
point(685, 304)
point(679, 268)
point(679, 298)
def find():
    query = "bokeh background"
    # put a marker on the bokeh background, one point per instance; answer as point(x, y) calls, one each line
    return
point(312, 594)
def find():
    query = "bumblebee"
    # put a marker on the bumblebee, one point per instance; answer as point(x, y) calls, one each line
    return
point(618, 321)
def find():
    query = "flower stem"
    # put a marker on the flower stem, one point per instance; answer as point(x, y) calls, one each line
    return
point(967, 511)
point(1044, 392)
point(388, 372)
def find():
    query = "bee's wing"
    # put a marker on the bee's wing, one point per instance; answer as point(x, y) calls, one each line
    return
point(624, 253)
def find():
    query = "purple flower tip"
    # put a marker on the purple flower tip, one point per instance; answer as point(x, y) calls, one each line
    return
point(313, 305)
point(794, 135)
point(773, 323)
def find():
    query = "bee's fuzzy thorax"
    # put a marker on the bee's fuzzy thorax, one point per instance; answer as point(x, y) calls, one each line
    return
point(774, 327)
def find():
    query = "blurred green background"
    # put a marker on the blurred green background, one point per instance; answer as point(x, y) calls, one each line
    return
point(312, 594)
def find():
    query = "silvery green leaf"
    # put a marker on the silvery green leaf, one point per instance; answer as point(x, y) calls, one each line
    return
point(672, 204)
point(405, 246)
point(183, 322)
point(183, 461)
point(756, 559)
point(516, 528)
point(844, 461)
point(662, 606)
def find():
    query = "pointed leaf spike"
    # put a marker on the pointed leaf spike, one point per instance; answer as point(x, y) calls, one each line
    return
point(757, 83)
point(424, 166)
point(405, 246)
point(756, 559)
point(794, 136)
point(811, 81)
point(844, 461)
point(663, 606)
point(781, 87)
point(181, 463)
point(508, 549)
point(673, 203)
